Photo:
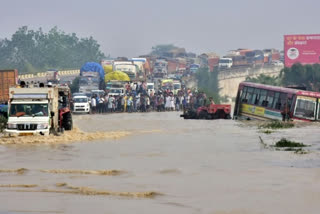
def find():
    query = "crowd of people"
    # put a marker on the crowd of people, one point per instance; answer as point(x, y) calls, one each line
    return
point(141, 101)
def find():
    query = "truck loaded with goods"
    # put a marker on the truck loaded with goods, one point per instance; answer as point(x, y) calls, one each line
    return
point(91, 77)
point(8, 78)
point(34, 111)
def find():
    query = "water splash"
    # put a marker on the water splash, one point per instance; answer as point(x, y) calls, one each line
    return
point(76, 135)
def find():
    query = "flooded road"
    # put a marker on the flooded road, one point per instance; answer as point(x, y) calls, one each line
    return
point(160, 163)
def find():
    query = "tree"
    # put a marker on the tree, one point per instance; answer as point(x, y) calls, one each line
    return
point(302, 75)
point(264, 79)
point(74, 87)
point(32, 51)
point(208, 83)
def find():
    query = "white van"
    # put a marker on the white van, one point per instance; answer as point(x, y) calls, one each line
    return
point(225, 63)
point(81, 104)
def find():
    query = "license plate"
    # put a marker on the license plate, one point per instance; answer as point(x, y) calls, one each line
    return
point(25, 134)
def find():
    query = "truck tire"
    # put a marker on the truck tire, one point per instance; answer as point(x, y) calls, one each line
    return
point(67, 122)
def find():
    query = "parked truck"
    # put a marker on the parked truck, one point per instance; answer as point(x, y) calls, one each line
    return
point(91, 77)
point(8, 78)
point(160, 69)
point(127, 67)
point(34, 111)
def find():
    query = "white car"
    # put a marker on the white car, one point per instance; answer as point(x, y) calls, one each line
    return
point(81, 104)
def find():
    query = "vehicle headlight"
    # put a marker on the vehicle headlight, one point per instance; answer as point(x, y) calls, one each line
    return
point(42, 126)
point(12, 125)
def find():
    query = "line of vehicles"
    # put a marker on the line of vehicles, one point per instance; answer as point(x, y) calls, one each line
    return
point(45, 110)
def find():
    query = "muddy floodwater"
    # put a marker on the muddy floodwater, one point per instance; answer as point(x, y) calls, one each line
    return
point(159, 163)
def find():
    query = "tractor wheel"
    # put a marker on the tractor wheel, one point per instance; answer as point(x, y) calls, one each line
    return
point(67, 121)
point(228, 117)
point(203, 115)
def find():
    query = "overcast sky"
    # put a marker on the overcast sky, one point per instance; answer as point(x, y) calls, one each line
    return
point(131, 27)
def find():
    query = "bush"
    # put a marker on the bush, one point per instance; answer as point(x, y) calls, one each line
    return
point(288, 143)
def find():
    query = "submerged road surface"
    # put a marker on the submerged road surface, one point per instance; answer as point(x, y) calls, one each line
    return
point(159, 163)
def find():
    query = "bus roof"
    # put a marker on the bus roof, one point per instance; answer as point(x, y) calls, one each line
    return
point(281, 89)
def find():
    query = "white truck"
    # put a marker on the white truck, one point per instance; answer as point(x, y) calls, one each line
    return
point(225, 62)
point(127, 67)
point(33, 111)
point(160, 68)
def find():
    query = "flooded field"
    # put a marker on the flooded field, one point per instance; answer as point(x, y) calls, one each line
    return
point(159, 163)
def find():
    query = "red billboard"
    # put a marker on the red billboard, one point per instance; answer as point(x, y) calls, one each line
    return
point(304, 49)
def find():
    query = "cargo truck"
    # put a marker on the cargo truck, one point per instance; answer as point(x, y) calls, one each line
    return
point(91, 77)
point(34, 111)
point(8, 78)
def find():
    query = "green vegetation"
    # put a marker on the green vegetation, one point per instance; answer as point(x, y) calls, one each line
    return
point(302, 75)
point(208, 83)
point(267, 131)
point(277, 125)
point(298, 75)
point(3, 123)
point(288, 143)
point(32, 51)
point(264, 79)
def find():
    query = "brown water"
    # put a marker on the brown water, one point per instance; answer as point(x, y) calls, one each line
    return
point(160, 163)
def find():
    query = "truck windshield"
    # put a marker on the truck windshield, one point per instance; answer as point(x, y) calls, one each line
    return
point(28, 110)
point(177, 86)
point(149, 86)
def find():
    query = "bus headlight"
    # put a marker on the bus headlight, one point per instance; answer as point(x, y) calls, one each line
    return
point(42, 126)
point(12, 126)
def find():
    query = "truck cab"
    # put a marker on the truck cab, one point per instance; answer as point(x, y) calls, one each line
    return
point(33, 111)
point(225, 62)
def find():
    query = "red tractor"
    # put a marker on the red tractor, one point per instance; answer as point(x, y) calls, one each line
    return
point(210, 112)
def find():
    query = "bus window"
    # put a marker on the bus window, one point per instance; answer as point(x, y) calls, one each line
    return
point(305, 107)
point(318, 109)
point(255, 96)
point(283, 100)
point(263, 98)
point(243, 95)
point(270, 98)
point(249, 95)
point(276, 102)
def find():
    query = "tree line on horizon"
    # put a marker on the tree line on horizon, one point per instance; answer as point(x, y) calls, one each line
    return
point(297, 75)
point(32, 51)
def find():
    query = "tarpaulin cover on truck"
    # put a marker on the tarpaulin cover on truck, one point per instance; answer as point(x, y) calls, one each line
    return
point(92, 66)
point(117, 75)
point(107, 69)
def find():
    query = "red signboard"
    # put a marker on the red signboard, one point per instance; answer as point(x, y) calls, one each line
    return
point(304, 49)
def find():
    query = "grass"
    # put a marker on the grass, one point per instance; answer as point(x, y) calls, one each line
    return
point(277, 125)
point(286, 145)
point(267, 131)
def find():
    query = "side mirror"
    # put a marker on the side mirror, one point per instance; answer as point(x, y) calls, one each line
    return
point(52, 114)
